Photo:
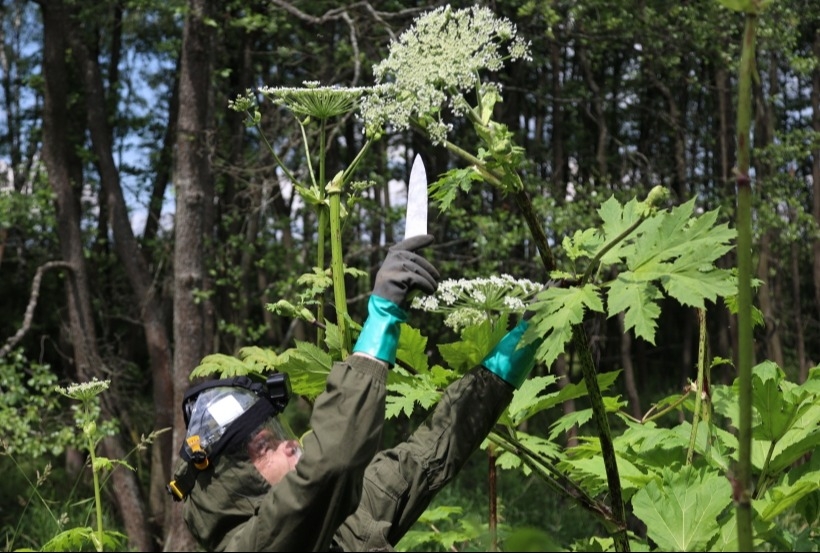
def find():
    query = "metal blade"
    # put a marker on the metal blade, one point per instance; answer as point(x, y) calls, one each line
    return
point(416, 216)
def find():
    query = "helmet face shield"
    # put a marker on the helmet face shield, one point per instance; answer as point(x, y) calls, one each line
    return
point(214, 410)
point(271, 435)
point(224, 413)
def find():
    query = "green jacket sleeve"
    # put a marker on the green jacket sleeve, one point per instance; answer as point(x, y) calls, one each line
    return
point(400, 482)
point(302, 512)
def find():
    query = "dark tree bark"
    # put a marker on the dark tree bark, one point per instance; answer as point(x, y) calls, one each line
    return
point(194, 205)
point(150, 312)
point(65, 174)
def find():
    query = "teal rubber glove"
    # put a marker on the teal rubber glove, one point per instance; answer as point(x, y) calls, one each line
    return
point(402, 272)
point(509, 362)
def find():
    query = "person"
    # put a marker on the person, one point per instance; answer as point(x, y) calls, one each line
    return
point(252, 487)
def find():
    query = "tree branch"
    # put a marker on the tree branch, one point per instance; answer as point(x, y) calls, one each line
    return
point(32, 304)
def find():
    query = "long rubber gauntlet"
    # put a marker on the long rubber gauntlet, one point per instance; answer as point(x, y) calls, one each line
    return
point(380, 332)
point(509, 362)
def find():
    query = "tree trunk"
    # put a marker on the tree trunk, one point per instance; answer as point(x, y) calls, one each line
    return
point(194, 200)
point(64, 172)
point(767, 295)
point(157, 334)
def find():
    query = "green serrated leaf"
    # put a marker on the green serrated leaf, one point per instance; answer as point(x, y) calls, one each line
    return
point(583, 243)
point(569, 421)
point(638, 299)
point(307, 365)
point(527, 396)
point(681, 508)
point(691, 285)
point(403, 397)
point(476, 342)
point(412, 349)
point(445, 190)
point(556, 311)
point(219, 365)
point(784, 497)
point(776, 410)
point(542, 449)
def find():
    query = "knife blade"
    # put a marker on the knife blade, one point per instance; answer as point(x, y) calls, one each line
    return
point(416, 214)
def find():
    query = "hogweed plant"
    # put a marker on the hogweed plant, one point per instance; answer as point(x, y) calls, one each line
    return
point(316, 105)
point(86, 417)
point(642, 254)
point(92, 429)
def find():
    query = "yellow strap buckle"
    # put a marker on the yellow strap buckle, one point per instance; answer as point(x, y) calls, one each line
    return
point(198, 455)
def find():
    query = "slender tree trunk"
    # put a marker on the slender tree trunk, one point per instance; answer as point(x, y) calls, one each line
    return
point(157, 334)
point(65, 175)
point(802, 363)
point(771, 347)
point(194, 199)
point(162, 170)
point(598, 112)
point(558, 156)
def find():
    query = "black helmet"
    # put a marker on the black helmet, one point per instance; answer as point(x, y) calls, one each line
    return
point(221, 414)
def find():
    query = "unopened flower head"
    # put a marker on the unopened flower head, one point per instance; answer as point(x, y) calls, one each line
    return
point(318, 102)
point(469, 301)
point(435, 62)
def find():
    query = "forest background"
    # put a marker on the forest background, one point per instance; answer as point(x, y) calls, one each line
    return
point(144, 226)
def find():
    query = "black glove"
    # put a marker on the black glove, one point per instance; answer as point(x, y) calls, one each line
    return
point(404, 271)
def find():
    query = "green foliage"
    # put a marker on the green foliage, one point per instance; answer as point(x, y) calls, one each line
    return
point(635, 257)
point(689, 507)
point(651, 459)
point(681, 508)
point(91, 430)
point(33, 419)
point(306, 364)
point(80, 538)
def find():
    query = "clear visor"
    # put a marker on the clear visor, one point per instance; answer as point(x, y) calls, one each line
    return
point(274, 434)
point(215, 409)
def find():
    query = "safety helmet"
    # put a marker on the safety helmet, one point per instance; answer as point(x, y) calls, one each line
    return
point(221, 414)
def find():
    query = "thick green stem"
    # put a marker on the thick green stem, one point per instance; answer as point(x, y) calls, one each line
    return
point(493, 481)
point(582, 348)
point(743, 493)
point(97, 495)
point(334, 192)
point(702, 388)
point(669, 408)
point(554, 478)
point(521, 198)
point(322, 224)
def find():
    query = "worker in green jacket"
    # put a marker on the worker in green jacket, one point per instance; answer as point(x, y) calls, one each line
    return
point(247, 485)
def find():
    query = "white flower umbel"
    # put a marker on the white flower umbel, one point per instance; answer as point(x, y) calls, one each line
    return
point(85, 391)
point(467, 302)
point(433, 64)
point(318, 102)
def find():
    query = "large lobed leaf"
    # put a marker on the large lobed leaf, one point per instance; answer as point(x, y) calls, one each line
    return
point(681, 508)
point(557, 310)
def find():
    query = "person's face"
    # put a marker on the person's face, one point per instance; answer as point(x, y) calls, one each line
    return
point(277, 460)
